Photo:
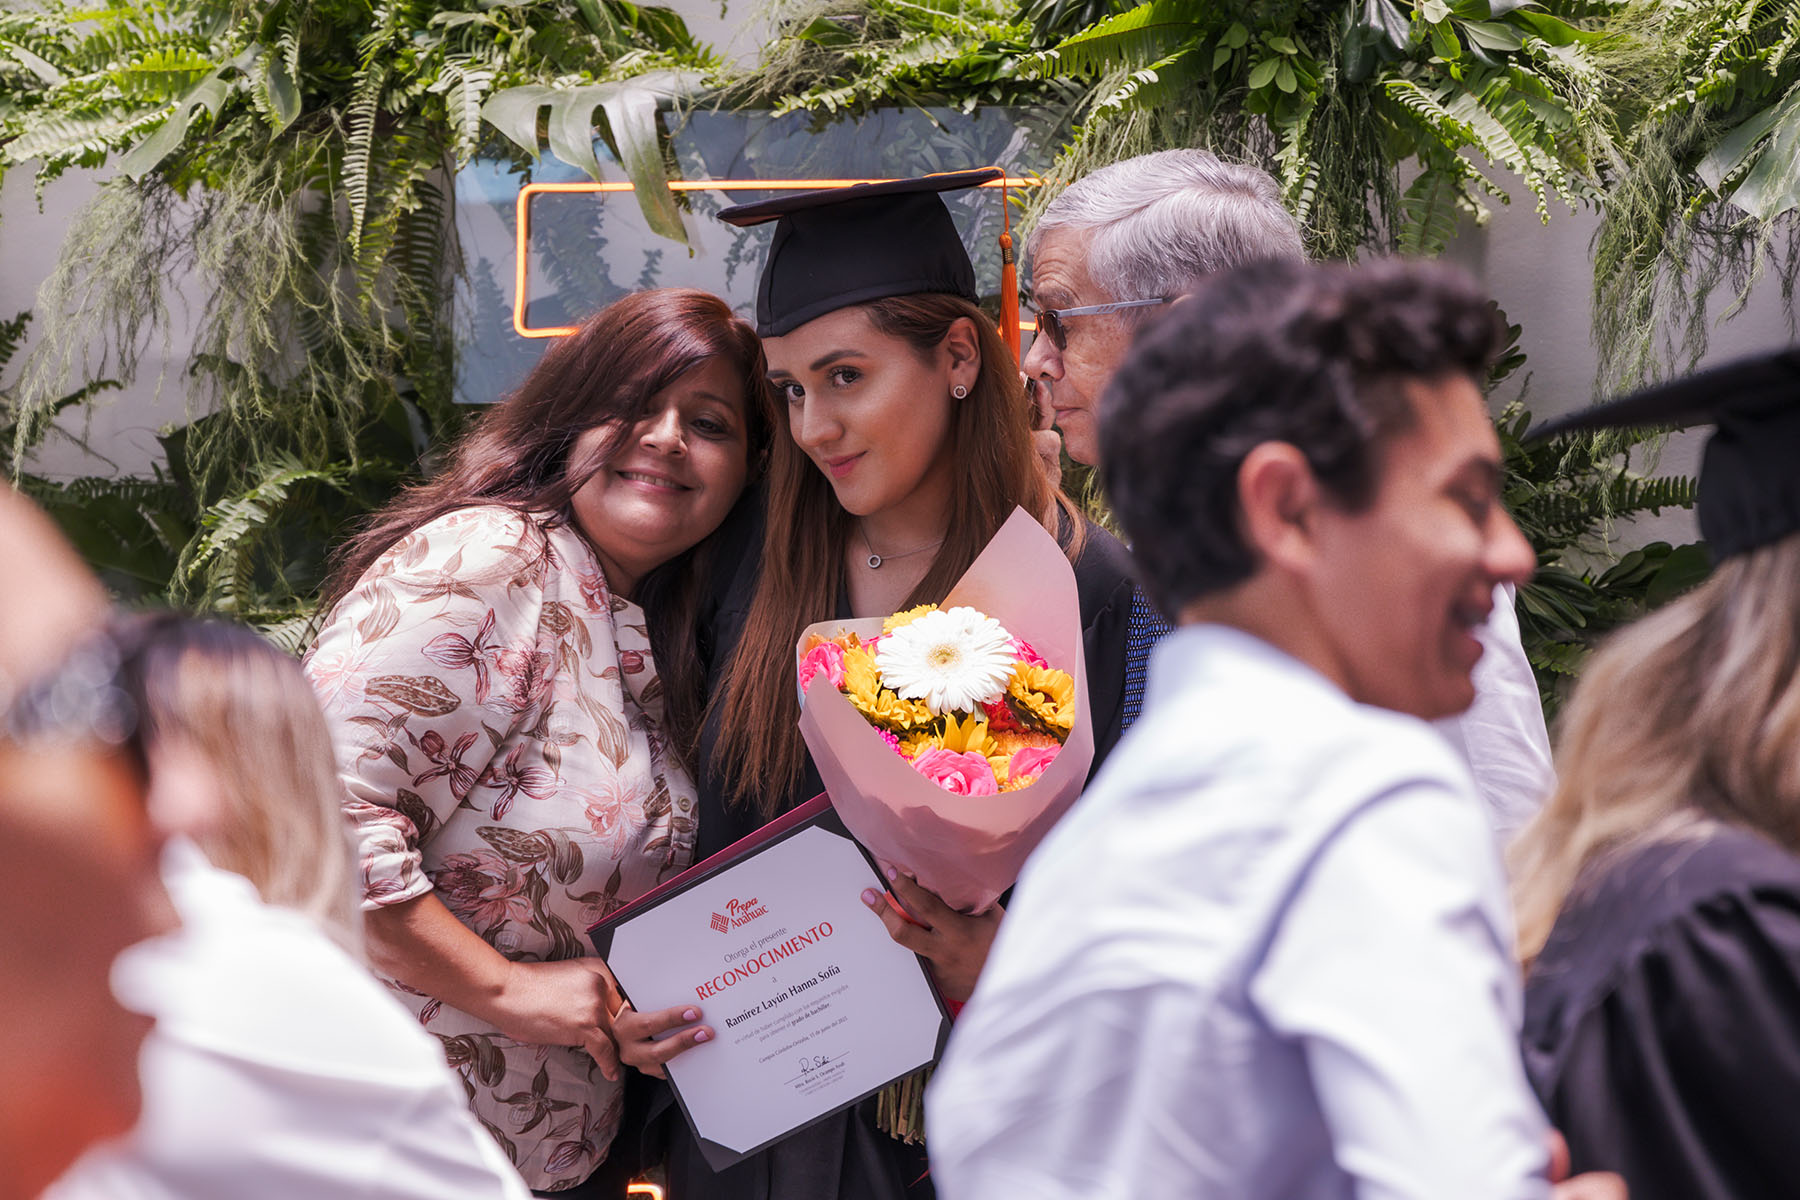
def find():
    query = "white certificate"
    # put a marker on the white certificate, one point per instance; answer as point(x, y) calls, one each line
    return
point(813, 1004)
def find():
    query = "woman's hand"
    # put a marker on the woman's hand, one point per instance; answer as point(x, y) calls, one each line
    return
point(956, 944)
point(633, 1030)
point(566, 1003)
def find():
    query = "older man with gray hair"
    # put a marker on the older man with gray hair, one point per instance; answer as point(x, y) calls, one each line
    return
point(1106, 255)
point(1118, 244)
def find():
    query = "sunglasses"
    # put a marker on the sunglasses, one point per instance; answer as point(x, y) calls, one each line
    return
point(86, 699)
point(1050, 320)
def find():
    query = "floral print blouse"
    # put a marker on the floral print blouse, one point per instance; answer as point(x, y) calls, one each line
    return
point(495, 713)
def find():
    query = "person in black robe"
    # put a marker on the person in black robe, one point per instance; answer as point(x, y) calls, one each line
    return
point(1662, 1028)
point(1659, 890)
point(832, 251)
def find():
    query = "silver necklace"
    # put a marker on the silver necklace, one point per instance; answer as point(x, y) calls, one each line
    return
point(875, 560)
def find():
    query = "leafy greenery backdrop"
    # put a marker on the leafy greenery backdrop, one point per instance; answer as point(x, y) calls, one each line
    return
point(296, 156)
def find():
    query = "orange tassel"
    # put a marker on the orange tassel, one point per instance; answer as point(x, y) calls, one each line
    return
point(1009, 281)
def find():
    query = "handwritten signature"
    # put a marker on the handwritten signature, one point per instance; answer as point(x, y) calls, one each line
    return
point(811, 1064)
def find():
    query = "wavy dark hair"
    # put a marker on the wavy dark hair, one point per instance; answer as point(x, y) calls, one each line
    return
point(517, 456)
point(761, 752)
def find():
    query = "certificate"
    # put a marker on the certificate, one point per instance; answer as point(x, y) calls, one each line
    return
point(813, 1005)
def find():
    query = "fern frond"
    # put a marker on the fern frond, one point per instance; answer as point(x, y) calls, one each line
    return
point(1425, 108)
point(162, 74)
point(1166, 81)
point(77, 137)
point(359, 128)
point(221, 556)
point(1145, 34)
point(1430, 207)
point(1631, 494)
point(464, 84)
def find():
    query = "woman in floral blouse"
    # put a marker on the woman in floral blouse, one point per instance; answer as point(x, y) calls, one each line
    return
point(509, 675)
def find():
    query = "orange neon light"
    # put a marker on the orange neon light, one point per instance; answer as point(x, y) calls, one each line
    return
point(645, 1189)
point(677, 185)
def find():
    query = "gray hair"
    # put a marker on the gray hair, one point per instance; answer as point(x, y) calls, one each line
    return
point(1161, 222)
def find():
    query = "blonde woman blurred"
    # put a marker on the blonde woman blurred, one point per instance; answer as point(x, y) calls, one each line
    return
point(1659, 891)
point(231, 710)
point(279, 1067)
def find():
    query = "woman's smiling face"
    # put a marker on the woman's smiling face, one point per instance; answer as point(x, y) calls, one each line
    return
point(871, 412)
point(672, 480)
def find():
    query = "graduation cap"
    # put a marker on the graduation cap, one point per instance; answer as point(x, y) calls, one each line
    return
point(850, 245)
point(1750, 473)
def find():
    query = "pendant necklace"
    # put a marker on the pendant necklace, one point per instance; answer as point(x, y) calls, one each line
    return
point(875, 560)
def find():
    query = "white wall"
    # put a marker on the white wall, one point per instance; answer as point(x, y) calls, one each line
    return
point(121, 427)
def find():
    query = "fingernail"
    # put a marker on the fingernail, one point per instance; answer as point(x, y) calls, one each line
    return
point(871, 897)
point(892, 873)
point(702, 1036)
point(691, 1015)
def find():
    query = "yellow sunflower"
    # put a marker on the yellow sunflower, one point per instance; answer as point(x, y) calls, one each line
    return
point(968, 736)
point(906, 618)
point(861, 679)
point(862, 684)
point(891, 712)
point(971, 735)
point(1045, 695)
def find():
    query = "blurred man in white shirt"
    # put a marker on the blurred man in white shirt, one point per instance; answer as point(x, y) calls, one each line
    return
point(1274, 962)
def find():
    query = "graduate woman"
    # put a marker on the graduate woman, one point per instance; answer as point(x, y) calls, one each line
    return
point(1659, 890)
point(903, 443)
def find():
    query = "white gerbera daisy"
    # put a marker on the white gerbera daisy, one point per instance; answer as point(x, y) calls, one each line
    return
point(952, 659)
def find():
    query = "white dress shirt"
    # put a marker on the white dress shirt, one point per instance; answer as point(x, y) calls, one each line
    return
point(280, 1069)
point(1273, 961)
point(1502, 735)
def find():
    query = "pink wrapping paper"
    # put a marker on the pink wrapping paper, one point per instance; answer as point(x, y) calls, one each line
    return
point(967, 849)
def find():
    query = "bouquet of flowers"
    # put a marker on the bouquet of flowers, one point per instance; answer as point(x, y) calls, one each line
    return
point(951, 737)
point(974, 709)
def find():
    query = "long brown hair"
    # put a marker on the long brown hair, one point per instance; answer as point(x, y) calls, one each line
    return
point(1687, 719)
point(761, 753)
point(517, 456)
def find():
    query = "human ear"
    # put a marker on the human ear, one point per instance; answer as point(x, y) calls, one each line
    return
point(962, 347)
point(1279, 497)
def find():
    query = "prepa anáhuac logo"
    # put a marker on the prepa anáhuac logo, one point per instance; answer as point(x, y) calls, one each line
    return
point(739, 913)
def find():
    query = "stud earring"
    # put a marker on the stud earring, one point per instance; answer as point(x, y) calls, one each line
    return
point(959, 391)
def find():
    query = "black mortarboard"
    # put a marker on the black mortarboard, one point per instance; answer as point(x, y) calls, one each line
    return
point(1750, 474)
point(849, 245)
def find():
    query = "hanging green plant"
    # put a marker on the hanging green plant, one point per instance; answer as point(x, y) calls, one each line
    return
point(1708, 182)
point(293, 157)
point(1336, 99)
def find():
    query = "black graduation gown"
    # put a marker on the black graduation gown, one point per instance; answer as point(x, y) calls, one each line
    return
point(1662, 1020)
point(846, 1157)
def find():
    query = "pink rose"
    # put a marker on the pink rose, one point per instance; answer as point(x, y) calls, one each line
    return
point(1023, 651)
point(1030, 762)
point(958, 772)
point(827, 657)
